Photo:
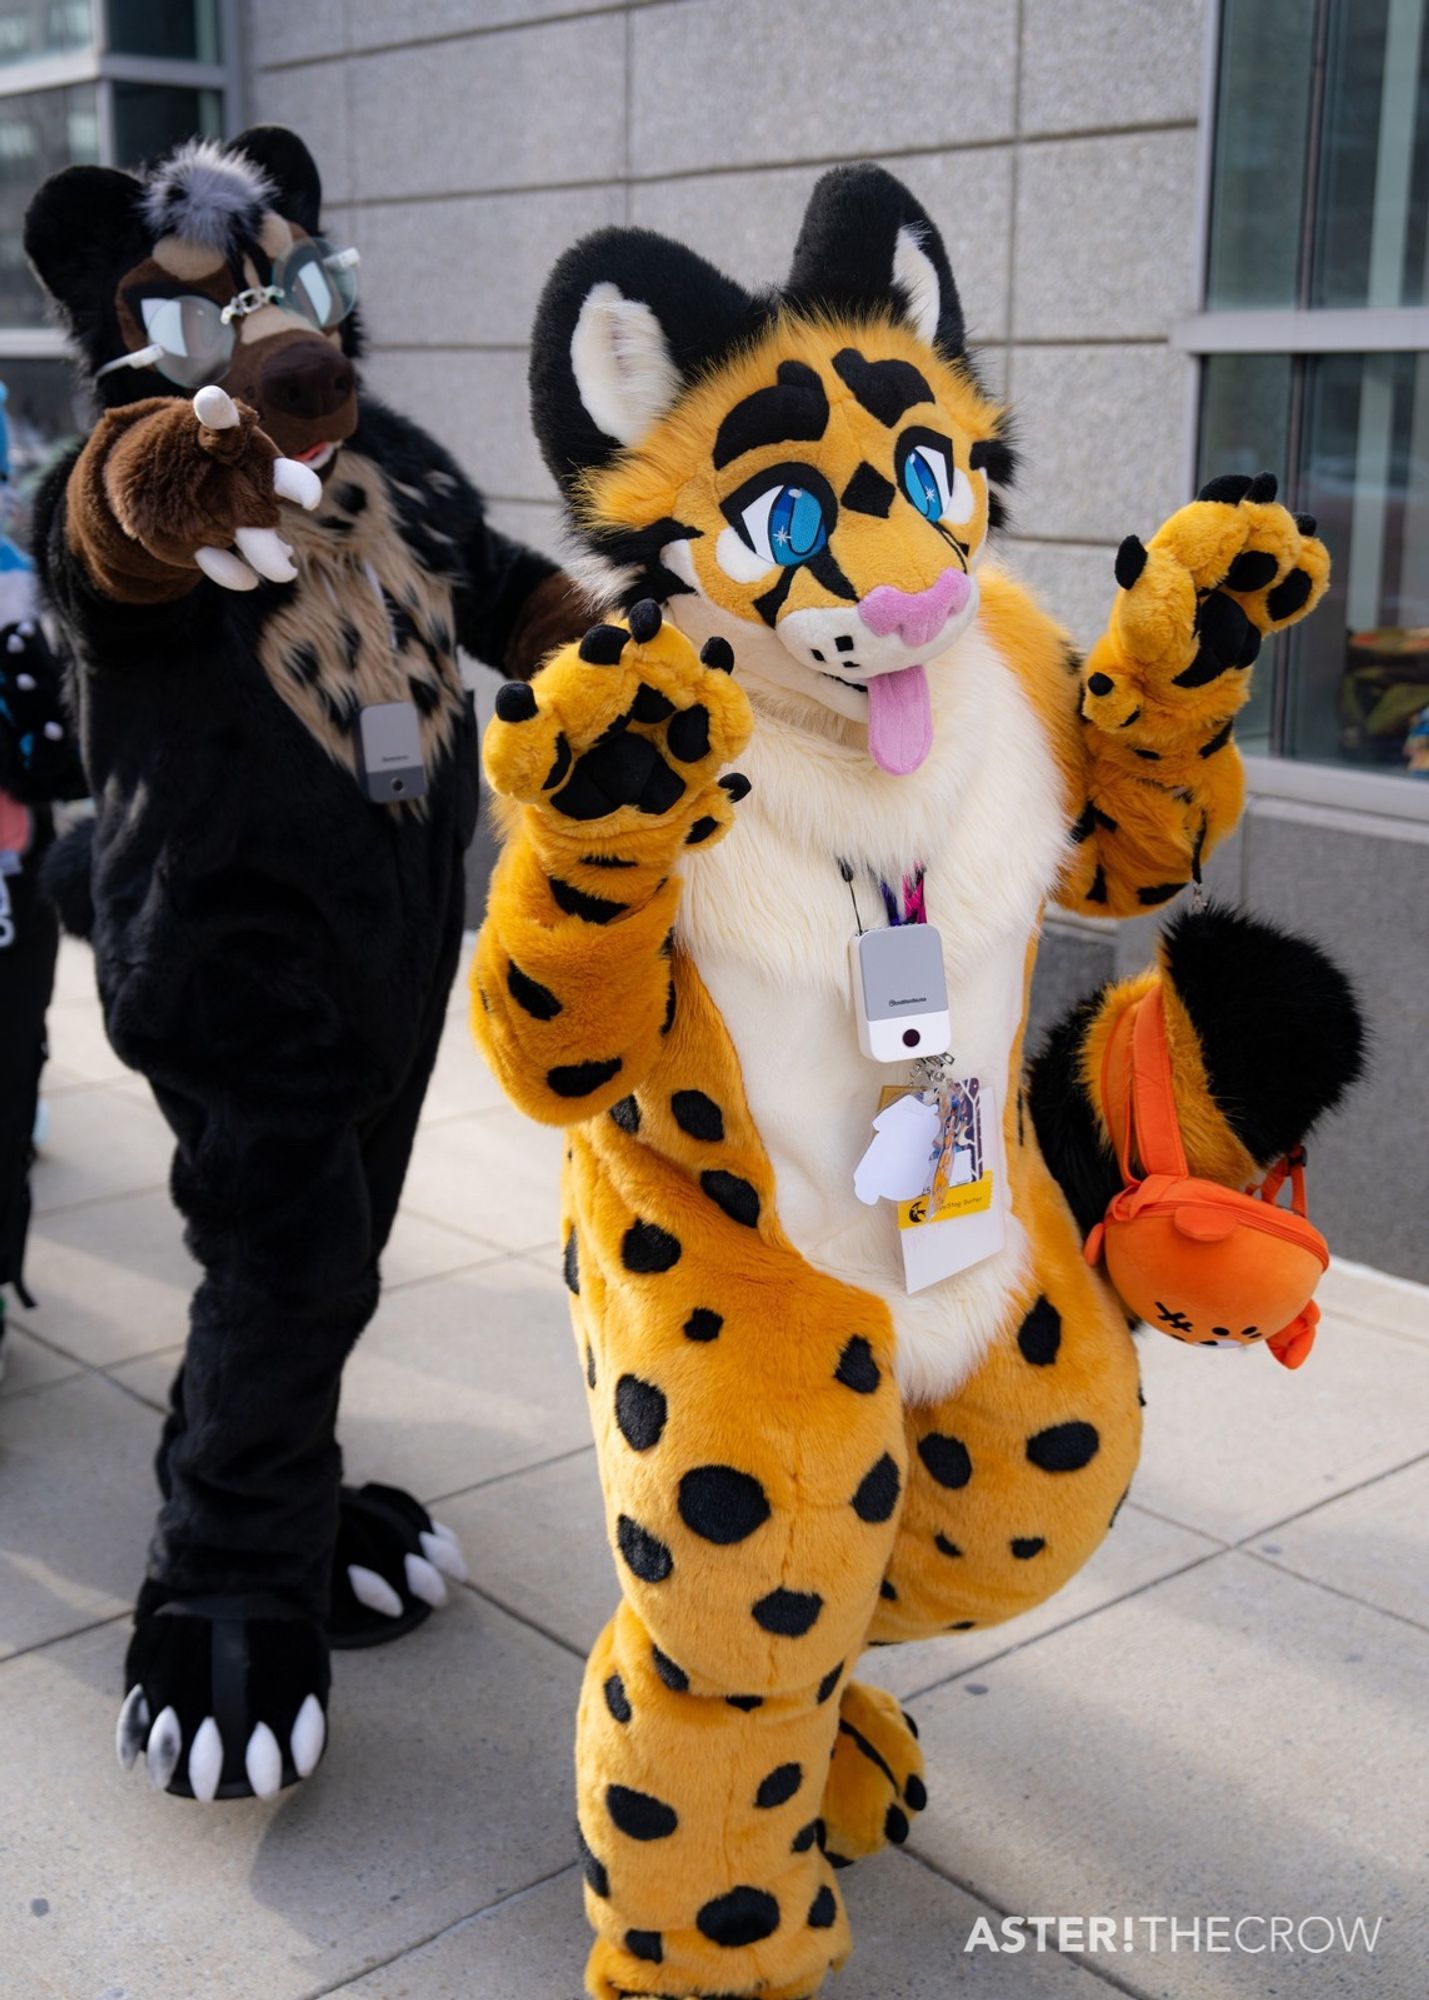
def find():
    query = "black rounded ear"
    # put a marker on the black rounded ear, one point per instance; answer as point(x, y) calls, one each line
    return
point(289, 166)
point(626, 320)
point(83, 229)
point(865, 247)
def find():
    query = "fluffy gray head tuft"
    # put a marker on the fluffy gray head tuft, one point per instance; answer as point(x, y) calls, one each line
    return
point(207, 196)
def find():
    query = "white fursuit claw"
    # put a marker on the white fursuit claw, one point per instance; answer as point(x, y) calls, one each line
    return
point(206, 1760)
point(374, 1591)
point(166, 1740)
point(215, 408)
point(292, 481)
point(133, 1727)
point(308, 1737)
point(225, 569)
point(423, 1581)
point(443, 1552)
point(269, 554)
point(263, 1761)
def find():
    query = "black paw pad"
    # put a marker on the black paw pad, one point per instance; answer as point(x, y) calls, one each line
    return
point(737, 786)
point(1287, 597)
point(717, 653)
point(1230, 487)
point(1130, 562)
point(602, 646)
point(515, 701)
point(1251, 570)
point(1250, 650)
point(1100, 683)
point(1263, 487)
point(645, 621)
point(689, 734)
point(650, 705)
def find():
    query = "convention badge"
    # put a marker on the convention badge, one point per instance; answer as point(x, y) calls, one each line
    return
point(903, 1151)
point(960, 1217)
point(900, 993)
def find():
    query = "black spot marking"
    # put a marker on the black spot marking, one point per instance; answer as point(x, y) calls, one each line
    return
point(1130, 562)
point(304, 665)
point(703, 827)
point(1287, 597)
point(804, 1839)
point(963, 1625)
point(717, 652)
point(789, 1614)
point(589, 1365)
point(616, 1699)
point(593, 1870)
point(606, 861)
point(625, 1113)
point(1024, 1547)
point(640, 1814)
point(645, 621)
point(703, 1324)
point(1040, 1334)
point(576, 903)
point(884, 388)
point(828, 1684)
point(857, 1369)
point(721, 1504)
point(795, 410)
point(1158, 892)
point(1147, 756)
point(650, 705)
point(670, 1004)
point(916, 1792)
point(1219, 740)
point(772, 602)
point(645, 1555)
point(868, 492)
point(887, 1592)
point(646, 1248)
point(560, 764)
point(1097, 892)
point(647, 1945)
point(689, 734)
point(780, 1786)
point(996, 458)
point(747, 1702)
point(740, 1917)
point(640, 1411)
point(571, 1263)
point(602, 646)
point(1085, 826)
point(675, 1678)
point(698, 1116)
point(823, 1909)
point(1100, 683)
point(945, 1547)
point(351, 498)
point(538, 1001)
point(895, 1825)
point(946, 1459)
point(516, 701)
point(580, 1079)
point(736, 1197)
point(1064, 1448)
point(878, 1491)
point(1251, 570)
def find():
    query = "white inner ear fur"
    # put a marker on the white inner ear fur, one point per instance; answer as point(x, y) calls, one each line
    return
point(738, 560)
point(917, 274)
point(679, 560)
point(624, 374)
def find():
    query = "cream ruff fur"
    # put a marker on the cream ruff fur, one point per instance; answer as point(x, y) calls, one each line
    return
point(767, 919)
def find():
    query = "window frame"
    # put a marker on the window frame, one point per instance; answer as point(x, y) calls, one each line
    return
point(1296, 331)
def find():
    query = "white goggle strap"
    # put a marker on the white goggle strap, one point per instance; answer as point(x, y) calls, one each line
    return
point(142, 357)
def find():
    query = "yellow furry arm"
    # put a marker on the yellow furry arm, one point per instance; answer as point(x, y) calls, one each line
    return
point(609, 759)
point(1161, 689)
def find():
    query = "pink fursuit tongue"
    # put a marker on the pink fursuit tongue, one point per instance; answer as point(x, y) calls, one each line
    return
point(900, 720)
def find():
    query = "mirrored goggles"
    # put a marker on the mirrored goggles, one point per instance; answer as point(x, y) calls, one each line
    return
point(191, 338)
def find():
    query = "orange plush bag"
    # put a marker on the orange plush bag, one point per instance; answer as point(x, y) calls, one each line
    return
point(1202, 1262)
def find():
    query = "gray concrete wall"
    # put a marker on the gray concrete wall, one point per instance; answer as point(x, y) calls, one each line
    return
point(464, 143)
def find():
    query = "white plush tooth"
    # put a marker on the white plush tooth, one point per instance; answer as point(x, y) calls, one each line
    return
point(225, 568)
point(423, 1581)
point(294, 481)
point(133, 1727)
point(166, 1740)
point(263, 1761)
point(268, 553)
point(25, 682)
point(374, 1591)
point(308, 1737)
point(15, 644)
point(215, 408)
point(443, 1552)
point(54, 731)
point(206, 1760)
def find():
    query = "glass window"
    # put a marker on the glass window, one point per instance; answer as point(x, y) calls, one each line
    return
point(1258, 172)
point(40, 132)
point(186, 30)
point(46, 409)
point(149, 118)
point(30, 28)
point(1372, 205)
point(1351, 684)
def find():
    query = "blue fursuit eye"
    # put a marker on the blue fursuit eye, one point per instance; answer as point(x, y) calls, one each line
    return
point(786, 525)
point(922, 484)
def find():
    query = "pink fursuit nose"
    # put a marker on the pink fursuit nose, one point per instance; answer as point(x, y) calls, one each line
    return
point(900, 714)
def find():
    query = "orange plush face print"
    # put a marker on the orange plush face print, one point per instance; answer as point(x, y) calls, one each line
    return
point(818, 464)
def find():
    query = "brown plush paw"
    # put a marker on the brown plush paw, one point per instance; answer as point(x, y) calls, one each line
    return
point(199, 485)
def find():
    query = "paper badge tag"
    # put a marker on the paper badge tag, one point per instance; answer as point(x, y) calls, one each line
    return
point(961, 1216)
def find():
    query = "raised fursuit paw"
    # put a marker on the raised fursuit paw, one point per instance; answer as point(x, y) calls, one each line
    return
point(227, 1697)
point(390, 1566)
point(875, 1781)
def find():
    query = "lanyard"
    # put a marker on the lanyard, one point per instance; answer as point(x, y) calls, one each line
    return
point(910, 906)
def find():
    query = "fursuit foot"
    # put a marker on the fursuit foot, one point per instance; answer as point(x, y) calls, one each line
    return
point(390, 1567)
point(227, 1696)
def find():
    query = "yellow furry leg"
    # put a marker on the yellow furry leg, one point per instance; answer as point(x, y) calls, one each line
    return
point(876, 1777)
